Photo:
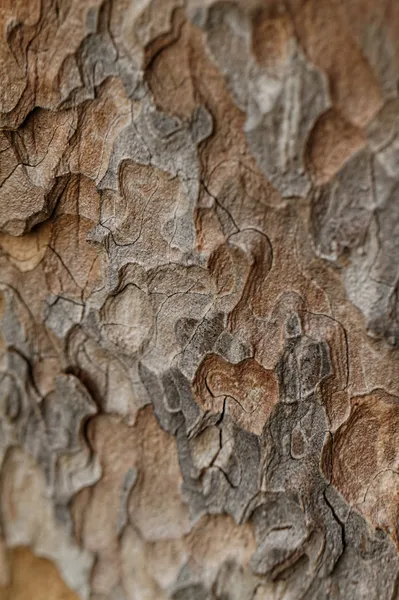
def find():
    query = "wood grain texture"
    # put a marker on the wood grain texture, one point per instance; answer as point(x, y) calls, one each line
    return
point(199, 300)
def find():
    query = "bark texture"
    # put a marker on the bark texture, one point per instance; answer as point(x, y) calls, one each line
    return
point(199, 300)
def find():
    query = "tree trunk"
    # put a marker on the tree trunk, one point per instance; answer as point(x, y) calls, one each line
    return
point(199, 250)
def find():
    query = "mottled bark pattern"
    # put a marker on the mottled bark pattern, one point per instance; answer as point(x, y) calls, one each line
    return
point(199, 299)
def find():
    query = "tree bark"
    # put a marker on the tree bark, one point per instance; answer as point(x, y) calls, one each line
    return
point(199, 300)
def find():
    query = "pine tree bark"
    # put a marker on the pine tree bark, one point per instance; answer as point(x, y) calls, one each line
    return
point(199, 300)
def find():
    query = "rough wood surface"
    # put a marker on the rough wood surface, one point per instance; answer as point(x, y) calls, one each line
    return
point(199, 299)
